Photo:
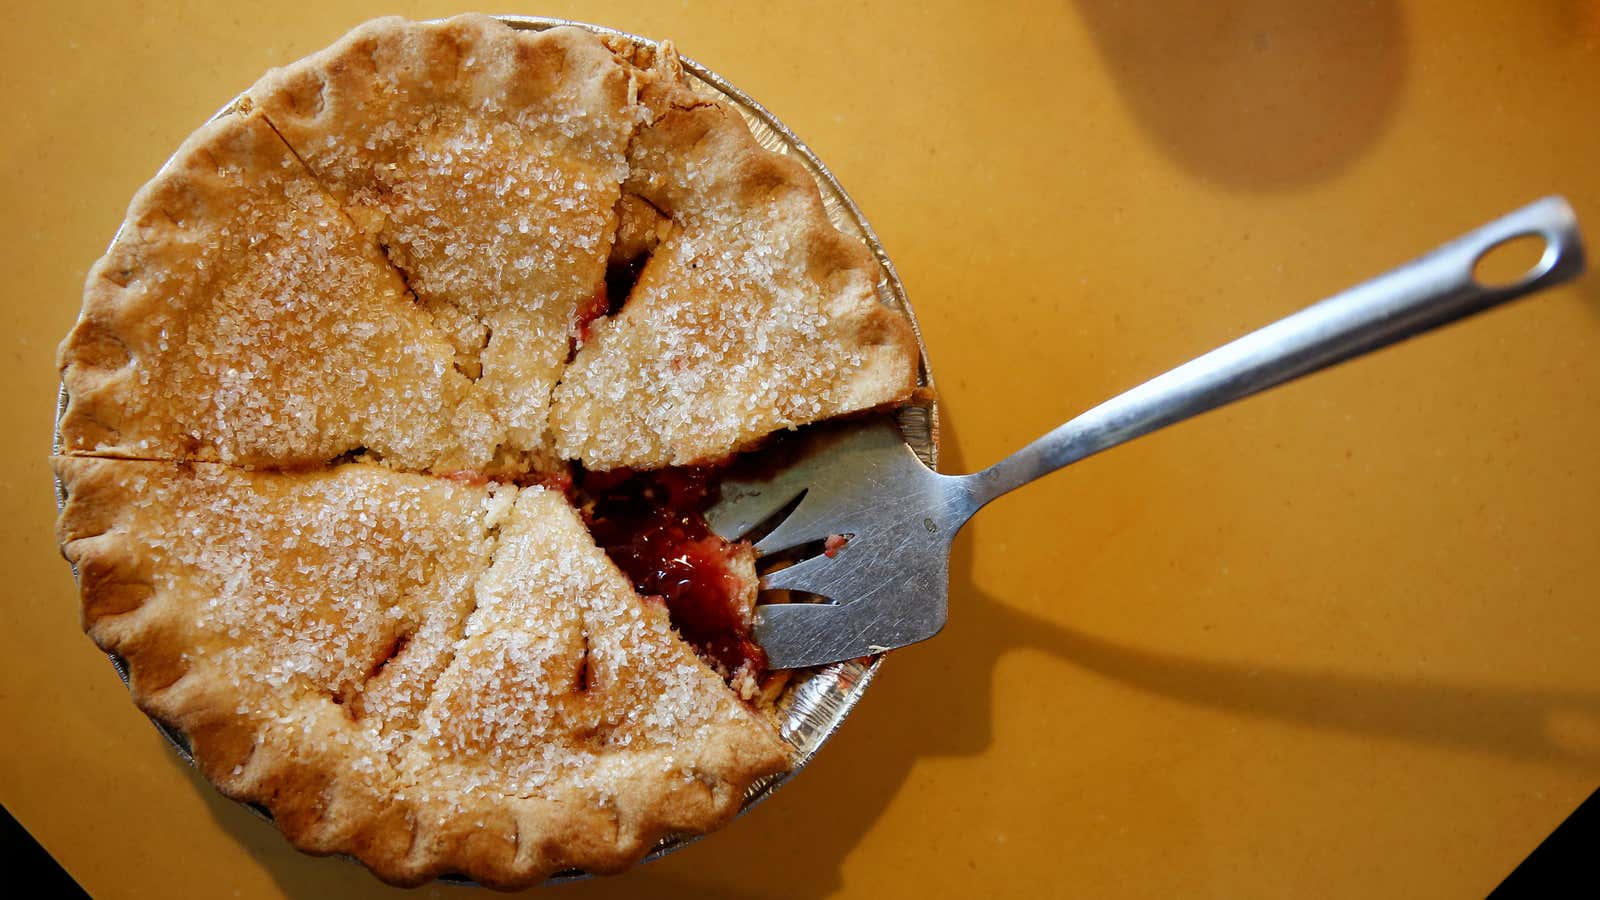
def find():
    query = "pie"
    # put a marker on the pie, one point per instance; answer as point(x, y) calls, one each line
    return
point(390, 413)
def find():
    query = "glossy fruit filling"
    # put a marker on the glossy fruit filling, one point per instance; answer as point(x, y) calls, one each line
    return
point(652, 527)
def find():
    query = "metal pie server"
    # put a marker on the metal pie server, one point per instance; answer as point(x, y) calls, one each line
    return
point(887, 585)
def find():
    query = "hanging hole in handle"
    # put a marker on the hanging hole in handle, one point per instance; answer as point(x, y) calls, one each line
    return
point(1513, 261)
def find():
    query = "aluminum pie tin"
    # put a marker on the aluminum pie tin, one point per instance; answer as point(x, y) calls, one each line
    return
point(816, 701)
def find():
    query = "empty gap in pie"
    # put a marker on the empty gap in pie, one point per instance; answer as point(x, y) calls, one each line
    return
point(606, 300)
point(119, 455)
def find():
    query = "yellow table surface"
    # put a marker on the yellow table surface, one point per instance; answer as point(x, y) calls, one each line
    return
point(1338, 640)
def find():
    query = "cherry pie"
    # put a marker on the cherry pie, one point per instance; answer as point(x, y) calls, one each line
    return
point(391, 410)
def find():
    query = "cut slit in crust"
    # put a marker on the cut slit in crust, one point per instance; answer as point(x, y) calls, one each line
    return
point(488, 161)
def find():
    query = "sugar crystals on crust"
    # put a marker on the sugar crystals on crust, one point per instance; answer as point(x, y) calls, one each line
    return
point(427, 675)
point(240, 317)
point(487, 162)
point(588, 738)
point(753, 315)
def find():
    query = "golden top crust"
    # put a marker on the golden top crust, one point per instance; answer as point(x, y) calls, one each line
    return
point(387, 253)
point(753, 315)
point(423, 674)
point(487, 161)
point(602, 707)
point(240, 317)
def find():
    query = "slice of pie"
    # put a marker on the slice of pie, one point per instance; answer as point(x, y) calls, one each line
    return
point(607, 728)
point(326, 402)
point(752, 315)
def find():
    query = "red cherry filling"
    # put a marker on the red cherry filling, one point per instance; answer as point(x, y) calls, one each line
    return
point(587, 312)
point(607, 298)
point(651, 526)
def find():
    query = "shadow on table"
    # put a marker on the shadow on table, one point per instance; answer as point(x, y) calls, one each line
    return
point(1587, 286)
point(934, 700)
point(1255, 94)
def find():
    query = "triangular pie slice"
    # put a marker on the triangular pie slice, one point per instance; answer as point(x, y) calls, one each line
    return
point(426, 675)
point(290, 625)
point(754, 314)
point(240, 317)
point(488, 162)
point(574, 728)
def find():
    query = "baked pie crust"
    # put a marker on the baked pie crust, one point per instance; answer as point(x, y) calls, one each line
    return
point(487, 164)
point(240, 317)
point(753, 315)
point(321, 403)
